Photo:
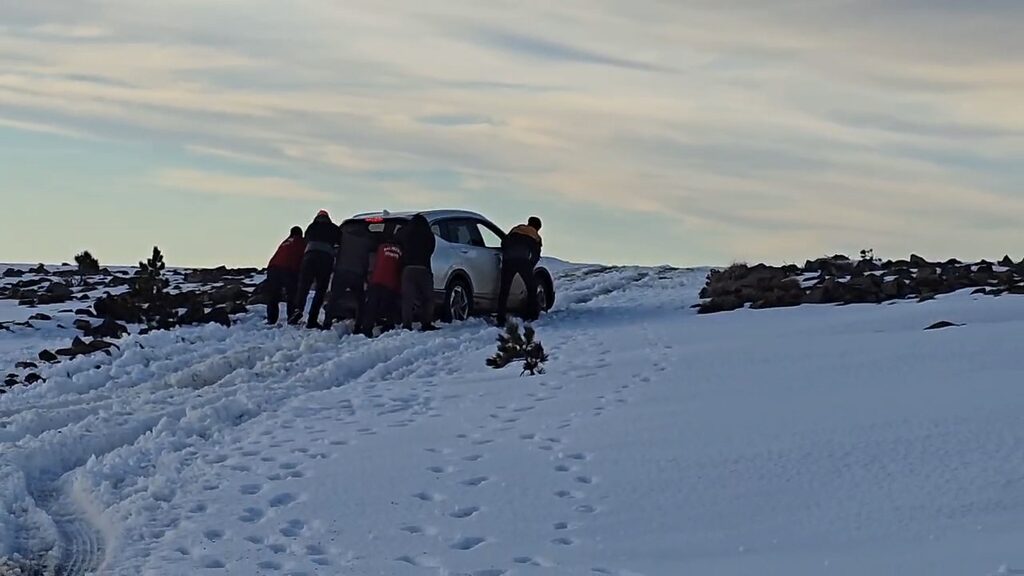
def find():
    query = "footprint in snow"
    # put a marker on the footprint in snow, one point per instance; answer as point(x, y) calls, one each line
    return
point(462, 513)
point(251, 515)
point(421, 561)
point(269, 565)
point(468, 543)
point(250, 489)
point(475, 481)
point(212, 562)
point(283, 499)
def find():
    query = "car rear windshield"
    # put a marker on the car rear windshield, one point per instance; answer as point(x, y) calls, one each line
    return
point(375, 227)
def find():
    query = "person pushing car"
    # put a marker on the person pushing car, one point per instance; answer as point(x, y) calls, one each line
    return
point(520, 253)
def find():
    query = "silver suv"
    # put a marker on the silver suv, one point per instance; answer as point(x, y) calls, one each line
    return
point(466, 262)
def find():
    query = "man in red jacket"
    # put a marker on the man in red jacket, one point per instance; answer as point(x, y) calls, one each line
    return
point(384, 291)
point(283, 274)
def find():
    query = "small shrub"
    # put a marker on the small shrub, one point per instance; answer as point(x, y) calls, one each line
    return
point(87, 263)
point(149, 280)
point(514, 345)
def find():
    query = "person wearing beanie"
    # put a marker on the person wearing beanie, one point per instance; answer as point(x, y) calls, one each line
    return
point(283, 274)
point(317, 265)
point(520, 252)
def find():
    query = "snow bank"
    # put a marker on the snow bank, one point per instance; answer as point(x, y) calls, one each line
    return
point(839, 440)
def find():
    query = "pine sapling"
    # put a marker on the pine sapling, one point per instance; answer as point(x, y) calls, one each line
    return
point(150, 280)
point(534, 355)
point(514, 345)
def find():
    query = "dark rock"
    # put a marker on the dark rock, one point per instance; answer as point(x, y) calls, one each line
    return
point(979, 291)
point(720, 304)
point(47, 356)
point(109, 328)
point(894, 289)
point(84, 298)
point(917, 261)
point(237, 308)
point(941, 325)
point(32, 378)
point(26, 365)
point(211, 275)
point(120, 308)
point(230, 293)
point(9, 382)
point(41, 317)
point(55, 293)
point(1006, 278)
point(1016, 289)
point(12, 273)
point(40, 269)
point(85, 312)
point(97, 345)
point(924, 297)
point(193, 314)
point(217, 315)
point(82, 324)
point(1007, 262)
point(779, 299)
point(117, 281)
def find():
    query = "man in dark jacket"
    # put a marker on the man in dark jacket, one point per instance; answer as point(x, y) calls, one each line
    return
point(418, 243)
point(317, 265)
point(355, 249)
point(283, 274)
point(520, 252)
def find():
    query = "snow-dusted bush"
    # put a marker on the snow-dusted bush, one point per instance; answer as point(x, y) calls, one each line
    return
point(514, 345)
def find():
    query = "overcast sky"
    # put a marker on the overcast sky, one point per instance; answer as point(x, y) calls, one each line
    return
point(642, 131)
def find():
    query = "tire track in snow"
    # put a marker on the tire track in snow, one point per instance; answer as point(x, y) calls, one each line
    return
point(268, 376)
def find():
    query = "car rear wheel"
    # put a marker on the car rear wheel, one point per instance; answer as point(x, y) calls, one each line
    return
point(545, 293)
point(542, 295)
point(458, 301)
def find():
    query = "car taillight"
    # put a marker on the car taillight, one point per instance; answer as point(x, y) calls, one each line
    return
point(375, 220)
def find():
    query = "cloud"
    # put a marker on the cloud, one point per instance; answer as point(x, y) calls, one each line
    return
point(552, 50)
point(773, 128)
point(42, 128)
point(225, 184)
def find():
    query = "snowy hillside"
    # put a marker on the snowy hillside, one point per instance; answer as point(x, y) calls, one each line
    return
point(806, 441)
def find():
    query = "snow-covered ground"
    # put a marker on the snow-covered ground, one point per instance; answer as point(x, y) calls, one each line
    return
point(807, 441)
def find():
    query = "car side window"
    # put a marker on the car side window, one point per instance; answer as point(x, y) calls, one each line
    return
point(465, 232)
point(489, 237)
point(444, 230)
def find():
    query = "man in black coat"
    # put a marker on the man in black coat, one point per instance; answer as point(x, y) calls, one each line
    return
point(418, 243)
point(317, 265)
point(520, 252)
